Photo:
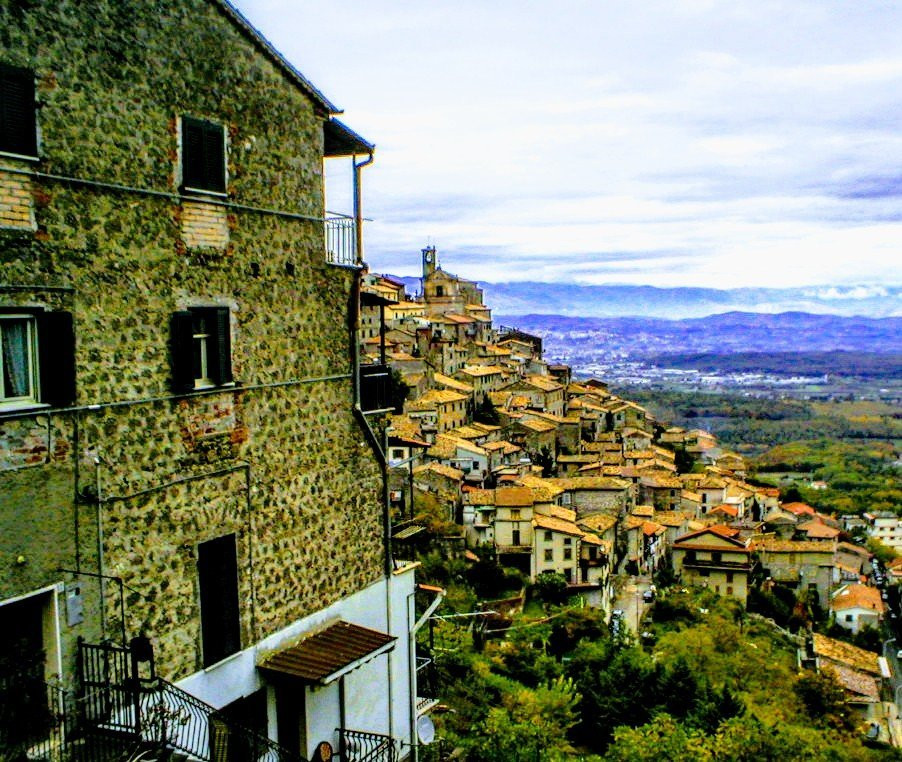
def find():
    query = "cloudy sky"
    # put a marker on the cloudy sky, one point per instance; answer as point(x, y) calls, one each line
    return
point(688, 142)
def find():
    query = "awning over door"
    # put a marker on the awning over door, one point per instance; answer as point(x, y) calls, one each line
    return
point(328, 654)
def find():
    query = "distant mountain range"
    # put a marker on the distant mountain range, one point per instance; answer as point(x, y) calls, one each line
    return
point(522, 298)
point(728, 333)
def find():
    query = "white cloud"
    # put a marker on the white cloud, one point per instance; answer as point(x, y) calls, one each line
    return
point(757, 142)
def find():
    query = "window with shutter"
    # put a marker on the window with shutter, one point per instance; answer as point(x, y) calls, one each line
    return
point(203, 155)
point(37, 359)
point(18, 126)
point(220, 623)
point(201, 348)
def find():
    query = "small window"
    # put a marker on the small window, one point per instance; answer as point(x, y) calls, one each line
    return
point(203, 155)
point(515, 514)
point(439, 290)
point(217, 570)
point(515, 537)
point(729, 590)
point(549, 535)
point(18, 126)
point(201, 348)
point(849, 618)
point(549, 554)
point(716, 557)
point(704, 572)
point(568, 541)
point(568, 554)
point(729, 576)
point(37, 359)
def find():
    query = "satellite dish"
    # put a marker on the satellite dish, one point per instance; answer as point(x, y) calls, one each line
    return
point(425, 730)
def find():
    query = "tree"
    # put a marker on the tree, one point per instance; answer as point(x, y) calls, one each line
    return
point(824, 699)
point(550, 588)
point(398, 391)
point(486, 413)
point(545, 459)
point(528, 723)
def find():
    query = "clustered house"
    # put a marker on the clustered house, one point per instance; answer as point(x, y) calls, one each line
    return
point(195, 548)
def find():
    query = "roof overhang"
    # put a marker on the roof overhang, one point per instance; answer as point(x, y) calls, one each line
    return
point(329, 654)
point(341, 140)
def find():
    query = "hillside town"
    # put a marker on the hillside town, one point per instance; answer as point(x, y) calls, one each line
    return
point(225, 443)
point(559, 475)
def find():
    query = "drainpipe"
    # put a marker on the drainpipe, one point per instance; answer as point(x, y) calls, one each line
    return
point(358, 205)
point(379, 448)
point(100, 559)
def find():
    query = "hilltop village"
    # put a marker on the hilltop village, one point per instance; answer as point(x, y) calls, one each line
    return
point(556, 475)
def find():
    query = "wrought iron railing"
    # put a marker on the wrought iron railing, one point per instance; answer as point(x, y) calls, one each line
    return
point(33, 721)
point(341, 241)
point(177, 720)
point(427, 684)
point(153, 713)
point(357, 746)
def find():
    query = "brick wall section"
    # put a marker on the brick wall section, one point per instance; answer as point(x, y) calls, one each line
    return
point(16, 201)
point(204, 225)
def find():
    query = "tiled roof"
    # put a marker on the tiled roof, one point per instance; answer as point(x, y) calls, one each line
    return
point(590, 483)
point(645, 511)
point(598, 522)
point(815, 528)
point(479, 497)
point(650, 528)
point(556, 525)
point(845, 653)
point(439, 468)
point(857, 596)
point(794, 546)
point(862, 685)
point(513, 496)
point(537, 425)
point(452, 383)
point(325, 655)
point(559, 512)
point(798, 508)
point(443, 396)
point(726, 508)
point(545, 383)
point(544, 490)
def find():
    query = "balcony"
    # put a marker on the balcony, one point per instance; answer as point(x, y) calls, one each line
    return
point(427, 685)
point(707, 564)
point(358, 746)
point(341, 241)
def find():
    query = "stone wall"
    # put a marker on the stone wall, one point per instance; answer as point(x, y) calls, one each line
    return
point(278, 459)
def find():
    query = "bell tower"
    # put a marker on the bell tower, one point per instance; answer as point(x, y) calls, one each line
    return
point(428, 262)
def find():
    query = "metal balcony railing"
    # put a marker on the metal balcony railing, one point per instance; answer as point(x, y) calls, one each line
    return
point(33, 720)
point(427, 684)
point(341, 241)
point(358, 746)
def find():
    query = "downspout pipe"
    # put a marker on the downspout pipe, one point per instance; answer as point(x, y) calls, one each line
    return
point(379, 448)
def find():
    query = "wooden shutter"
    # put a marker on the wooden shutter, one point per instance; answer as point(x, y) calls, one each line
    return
point(18, 128)
point(192, 153)
point(220, 358)
point(217, 570)
point(56, 358)
point(203, 155)
point(181, 350)
point(214, 157)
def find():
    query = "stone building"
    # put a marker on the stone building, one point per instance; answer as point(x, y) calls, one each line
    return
point(187, 474)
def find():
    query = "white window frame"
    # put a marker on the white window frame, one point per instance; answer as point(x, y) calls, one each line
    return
point(31, 341)
point(201, 339)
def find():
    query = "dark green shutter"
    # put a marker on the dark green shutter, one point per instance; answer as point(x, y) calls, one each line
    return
point(192, 153)
point(220, 364)
point(56, 358)
point(18, 128)
point(181, 351)
point(203, 155)
point(214, 157)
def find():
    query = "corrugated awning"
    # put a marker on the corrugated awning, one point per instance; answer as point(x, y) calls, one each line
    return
point(329, 654)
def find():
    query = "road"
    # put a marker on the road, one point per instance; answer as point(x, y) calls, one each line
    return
point(630, 602)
